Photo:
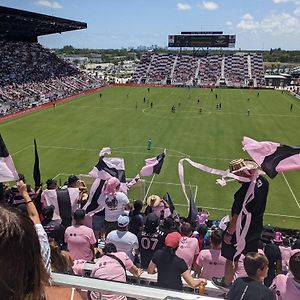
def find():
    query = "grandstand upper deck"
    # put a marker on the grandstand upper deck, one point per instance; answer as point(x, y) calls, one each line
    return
point(21, 25)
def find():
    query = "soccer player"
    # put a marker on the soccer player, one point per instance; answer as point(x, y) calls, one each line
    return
point(149, 143)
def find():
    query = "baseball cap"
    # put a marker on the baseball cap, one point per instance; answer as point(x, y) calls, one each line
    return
point(172, 239)
point(123, 221)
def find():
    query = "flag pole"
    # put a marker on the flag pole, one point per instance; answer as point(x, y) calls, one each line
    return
point(149, 187)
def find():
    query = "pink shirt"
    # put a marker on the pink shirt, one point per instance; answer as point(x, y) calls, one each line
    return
point(201, 218)
point(79, 239)
point(285, 288)
point(188, 248)
point(110, 269)
point(240, 270)
point(286, 253)
point(161, 207)
point(211, 262)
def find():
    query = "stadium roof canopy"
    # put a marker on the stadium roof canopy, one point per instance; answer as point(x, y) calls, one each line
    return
point(21, 25)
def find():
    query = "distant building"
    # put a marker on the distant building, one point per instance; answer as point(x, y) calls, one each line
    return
point(278, 80)
point(74, 58)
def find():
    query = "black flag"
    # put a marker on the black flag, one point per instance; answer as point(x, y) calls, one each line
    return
point(193, 211)
point(36, 168)
point(168, 199)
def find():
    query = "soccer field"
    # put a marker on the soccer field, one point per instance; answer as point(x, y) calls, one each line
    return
point(70, 135)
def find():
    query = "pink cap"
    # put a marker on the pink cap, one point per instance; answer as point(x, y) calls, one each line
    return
point(111, 185)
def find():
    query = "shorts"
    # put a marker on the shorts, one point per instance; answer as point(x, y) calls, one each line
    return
point(98, 223)
point(228, 251)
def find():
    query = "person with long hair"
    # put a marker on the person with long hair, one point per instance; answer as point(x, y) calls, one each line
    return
point(23, 275)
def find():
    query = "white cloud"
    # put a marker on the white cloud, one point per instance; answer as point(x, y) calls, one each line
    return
point(53, 4)
point(282, 1)
point(229, 23)
point(273, 24)
point(280, 24)
point(247, 23)
point(297, 11)
point(209, 5)
point(183, 6)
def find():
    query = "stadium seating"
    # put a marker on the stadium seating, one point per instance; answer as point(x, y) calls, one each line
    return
point(32, 75)
point(234, 70)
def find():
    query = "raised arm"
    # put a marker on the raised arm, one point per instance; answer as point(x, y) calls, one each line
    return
point(31, 209)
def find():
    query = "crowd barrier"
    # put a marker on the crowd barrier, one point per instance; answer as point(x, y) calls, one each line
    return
point(148, 279)
point(125, 289)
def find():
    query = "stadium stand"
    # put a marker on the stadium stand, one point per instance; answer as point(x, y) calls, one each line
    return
point(31, 75)
point(233, 70)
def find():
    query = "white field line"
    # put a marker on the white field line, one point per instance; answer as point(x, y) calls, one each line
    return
point(136, 153)
point(227, 209)
point(208, 112)
point(149, 187)
point(291, 190)
point(21, 150)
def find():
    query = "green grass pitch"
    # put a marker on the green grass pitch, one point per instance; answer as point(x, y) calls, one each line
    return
point(70, 136)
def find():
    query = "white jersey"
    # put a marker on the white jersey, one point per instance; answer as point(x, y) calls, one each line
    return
point(125, 241)
point(114, 205)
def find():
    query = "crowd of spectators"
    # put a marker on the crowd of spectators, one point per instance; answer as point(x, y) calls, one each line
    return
point(235, 70)
point(31, 75)
point(149, 238)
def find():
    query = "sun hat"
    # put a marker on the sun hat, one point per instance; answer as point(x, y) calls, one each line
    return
point(172, 239)
point(111, 185)
point(278, 237)
point(123, 221)
point(153, 200)
point(238, 165)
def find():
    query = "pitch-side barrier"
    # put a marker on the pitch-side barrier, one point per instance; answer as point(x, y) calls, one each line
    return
point(148, 279)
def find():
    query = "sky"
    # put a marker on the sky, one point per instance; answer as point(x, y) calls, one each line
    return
point(257, 24)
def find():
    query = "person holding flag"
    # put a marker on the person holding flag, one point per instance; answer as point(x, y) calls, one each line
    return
point(244, 230)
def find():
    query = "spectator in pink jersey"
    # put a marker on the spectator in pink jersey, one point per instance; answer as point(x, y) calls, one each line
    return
point(80, 238)
point(188, 248)
point(284, 287)
point(210, 263)
point(286, 253)
point(202, 217)
point(112, 266)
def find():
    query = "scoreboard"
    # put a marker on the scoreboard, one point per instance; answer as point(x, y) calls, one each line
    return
point(199, 41)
